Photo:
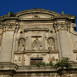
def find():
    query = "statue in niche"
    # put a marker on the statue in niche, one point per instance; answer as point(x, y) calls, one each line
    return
point(21, 44)
point(36, 44)
point(51, 43)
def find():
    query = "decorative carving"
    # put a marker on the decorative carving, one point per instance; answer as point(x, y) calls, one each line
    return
point(36, 16)
point(36, 44)
point(9, 26)
point(72, 26)
point(21, 44)
point(50, 43)
point(62, 26)
point(19, 59)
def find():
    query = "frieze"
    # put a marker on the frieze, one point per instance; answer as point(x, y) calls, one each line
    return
point(31, 51)
point(36, 29)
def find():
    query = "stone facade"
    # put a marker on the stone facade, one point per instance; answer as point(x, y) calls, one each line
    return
point(33, 36)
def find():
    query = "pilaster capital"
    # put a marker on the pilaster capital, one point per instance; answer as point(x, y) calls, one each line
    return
point(9, 26)
point(62, 26)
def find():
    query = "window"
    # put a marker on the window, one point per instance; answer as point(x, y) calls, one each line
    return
point(36, 60)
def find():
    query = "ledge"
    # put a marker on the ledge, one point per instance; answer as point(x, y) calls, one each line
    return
point(36, 29)
point(35, 51)
point(35, 69)
point(75, 51)
point(32, 51)
point(7, 66)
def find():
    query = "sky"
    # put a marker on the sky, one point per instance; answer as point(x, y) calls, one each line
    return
point(68, 6)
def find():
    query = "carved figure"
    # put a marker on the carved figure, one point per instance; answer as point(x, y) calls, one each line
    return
point(51, 43)
point(36, 44)
point(21, 44)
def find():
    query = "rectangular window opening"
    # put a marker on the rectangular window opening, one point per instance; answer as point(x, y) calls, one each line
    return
point(36, 60)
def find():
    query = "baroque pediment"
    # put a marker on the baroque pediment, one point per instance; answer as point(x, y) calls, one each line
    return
point(36, 14)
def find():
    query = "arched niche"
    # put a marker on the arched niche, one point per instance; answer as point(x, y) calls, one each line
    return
point(51, 43)
point(21, 44)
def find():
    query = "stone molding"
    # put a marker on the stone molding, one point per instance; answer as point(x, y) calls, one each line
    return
point(36, 29)
point(37, 10)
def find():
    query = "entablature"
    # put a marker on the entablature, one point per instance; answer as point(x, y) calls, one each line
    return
point(35, 51)
point(36, 29)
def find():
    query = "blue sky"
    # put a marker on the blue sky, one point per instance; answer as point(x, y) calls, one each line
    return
point(68, 6)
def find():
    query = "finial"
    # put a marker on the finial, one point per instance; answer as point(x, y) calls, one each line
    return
point(11, 14)
point(62, 12)
point(35, 8)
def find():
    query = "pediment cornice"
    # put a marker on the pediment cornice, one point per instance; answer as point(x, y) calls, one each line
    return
point(36, 10)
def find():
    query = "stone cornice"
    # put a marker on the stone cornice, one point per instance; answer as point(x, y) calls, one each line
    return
point(37, 11)
point(8, 18)
point(36, 29)
point(65, 16)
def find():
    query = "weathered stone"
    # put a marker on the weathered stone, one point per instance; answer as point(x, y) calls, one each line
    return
point(34, 36)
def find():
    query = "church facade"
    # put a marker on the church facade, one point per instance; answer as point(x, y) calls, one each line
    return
point(36, 36)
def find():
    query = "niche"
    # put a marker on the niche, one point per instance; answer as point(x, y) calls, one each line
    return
point(51, 45)
point(21, 44)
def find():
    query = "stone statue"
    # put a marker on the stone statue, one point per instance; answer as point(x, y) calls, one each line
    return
point(21, 44)
point(36, 44)
point(51, 43)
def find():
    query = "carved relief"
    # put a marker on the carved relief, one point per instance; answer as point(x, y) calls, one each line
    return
point(62, 26)
point(36, 44)
point(50, 43)
point(18, 59)
point(21, 44)
point(9, 26)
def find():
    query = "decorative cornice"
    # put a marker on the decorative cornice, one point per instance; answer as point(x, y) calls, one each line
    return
point(37, 11)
